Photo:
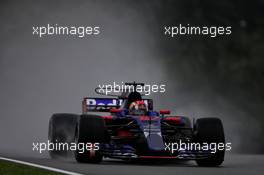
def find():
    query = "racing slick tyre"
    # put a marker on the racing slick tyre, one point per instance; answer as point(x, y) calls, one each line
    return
point(210, 131)
point(91, 131)
point(61, 130)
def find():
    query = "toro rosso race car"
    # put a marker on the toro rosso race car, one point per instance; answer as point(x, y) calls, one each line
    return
point(128, 127)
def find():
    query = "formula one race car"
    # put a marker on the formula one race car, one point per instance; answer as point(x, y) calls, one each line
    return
point(129, 128)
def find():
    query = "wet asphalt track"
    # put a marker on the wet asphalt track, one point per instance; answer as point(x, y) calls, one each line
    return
point(234, 164)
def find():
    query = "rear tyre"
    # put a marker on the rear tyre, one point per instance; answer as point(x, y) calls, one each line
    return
point(90, 130)
point(210, 130)
point(61, 130)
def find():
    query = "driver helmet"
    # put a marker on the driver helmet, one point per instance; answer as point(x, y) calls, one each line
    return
point(138, 108)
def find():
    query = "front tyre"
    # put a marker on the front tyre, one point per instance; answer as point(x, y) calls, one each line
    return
point(210, 131)
point(90, 130)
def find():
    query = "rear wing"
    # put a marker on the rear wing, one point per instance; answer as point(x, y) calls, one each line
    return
point(105, 104)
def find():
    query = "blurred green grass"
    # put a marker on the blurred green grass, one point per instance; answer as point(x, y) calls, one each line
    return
point(10, 168)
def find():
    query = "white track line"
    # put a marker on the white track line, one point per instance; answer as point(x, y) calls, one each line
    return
point(40, 166)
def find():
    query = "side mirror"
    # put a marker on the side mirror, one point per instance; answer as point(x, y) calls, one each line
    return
point(164, 111)
point(114, 110)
